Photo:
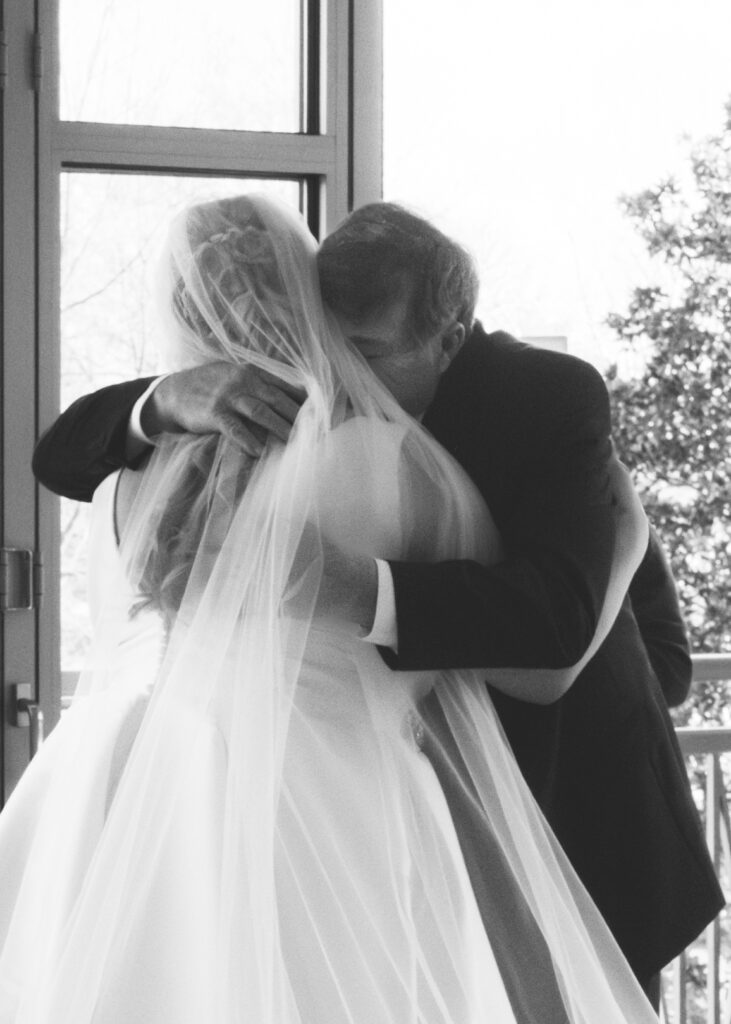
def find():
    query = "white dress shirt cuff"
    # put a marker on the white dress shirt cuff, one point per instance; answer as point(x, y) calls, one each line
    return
point(135, 433)
point(384, 631)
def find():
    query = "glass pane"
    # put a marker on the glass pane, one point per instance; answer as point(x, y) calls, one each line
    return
point(112, 227)
point(533, 118)
point(231, 64)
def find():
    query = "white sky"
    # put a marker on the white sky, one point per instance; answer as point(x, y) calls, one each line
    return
point(219, 64)
point(516, 125)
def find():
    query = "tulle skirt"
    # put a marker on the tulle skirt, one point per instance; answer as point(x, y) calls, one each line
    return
point(374, 922)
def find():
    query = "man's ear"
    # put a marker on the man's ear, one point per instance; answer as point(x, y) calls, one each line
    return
point(451, 342)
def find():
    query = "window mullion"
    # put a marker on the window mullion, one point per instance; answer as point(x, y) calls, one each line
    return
point(127, 146)
point(19, 317)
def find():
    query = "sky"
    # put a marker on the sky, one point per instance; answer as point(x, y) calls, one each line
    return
point(516, 126)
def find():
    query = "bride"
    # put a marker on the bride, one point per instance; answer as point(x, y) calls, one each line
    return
point(236, 821)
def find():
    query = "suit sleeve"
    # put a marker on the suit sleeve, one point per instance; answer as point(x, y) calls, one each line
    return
point(655, 604)
point(539, 607)
point(87, 441)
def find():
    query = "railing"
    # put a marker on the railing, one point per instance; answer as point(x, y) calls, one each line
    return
point(697, 986)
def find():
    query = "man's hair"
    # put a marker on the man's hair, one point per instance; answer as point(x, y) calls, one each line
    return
point(382, 253)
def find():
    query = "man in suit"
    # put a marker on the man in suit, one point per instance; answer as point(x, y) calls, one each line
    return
point(532, 429)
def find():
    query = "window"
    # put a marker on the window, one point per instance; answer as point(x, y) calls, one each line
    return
point(115, 114)
point(228, 64)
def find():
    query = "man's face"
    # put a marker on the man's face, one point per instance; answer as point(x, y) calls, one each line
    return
point(410, 370)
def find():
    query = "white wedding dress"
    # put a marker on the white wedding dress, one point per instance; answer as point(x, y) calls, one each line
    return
point(361, 818)
point(236, 821)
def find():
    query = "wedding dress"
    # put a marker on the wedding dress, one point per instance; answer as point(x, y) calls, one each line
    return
point(242, 817)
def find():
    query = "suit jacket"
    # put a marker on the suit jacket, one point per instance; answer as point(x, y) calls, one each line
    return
point(654, 599)
point(531, 428)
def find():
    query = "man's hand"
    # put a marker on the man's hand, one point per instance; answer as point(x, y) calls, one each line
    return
point(243, 403)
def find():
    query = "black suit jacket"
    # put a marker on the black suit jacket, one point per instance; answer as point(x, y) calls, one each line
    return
point(531, 428)
point(654, 599)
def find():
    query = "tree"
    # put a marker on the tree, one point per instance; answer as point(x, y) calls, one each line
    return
point(672, 416)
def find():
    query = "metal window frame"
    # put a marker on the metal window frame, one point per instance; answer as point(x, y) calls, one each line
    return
point(337, 157)
point(18, 207)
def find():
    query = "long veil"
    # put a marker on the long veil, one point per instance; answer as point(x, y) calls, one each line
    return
point(225, 867)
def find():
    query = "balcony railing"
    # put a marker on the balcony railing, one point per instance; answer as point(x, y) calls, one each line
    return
point(697, 986)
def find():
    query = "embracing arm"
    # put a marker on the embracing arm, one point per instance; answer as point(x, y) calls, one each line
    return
point(88, 441)
point(559, 514)
point(546, 685)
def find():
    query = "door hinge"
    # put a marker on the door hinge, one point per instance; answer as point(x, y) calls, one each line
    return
point(21, 579)
point(3, 59)
point(26, 713)
point(37, 61)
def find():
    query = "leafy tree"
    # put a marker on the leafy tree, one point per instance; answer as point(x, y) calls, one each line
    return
point(672, 415)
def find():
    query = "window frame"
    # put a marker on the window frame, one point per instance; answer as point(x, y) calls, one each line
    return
point(337, 157)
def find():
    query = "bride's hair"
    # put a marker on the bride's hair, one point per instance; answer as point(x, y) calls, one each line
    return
point(223, 297)
point(225, 290)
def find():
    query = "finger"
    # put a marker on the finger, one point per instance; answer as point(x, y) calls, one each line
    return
point(297, 392)
point(283, 404)
point(274, 411)
point(247, 438)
